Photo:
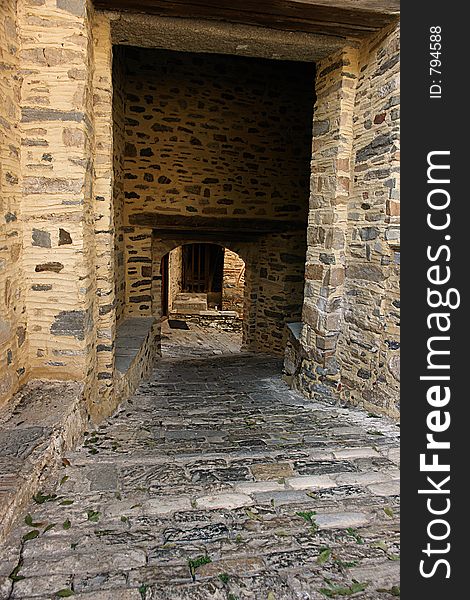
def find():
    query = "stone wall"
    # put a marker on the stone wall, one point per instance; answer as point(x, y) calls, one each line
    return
point(216, 135)
point(118, 183)
point(13, 330)
point(327, 224)
point(233, 282)
point(57, 167)
point(369, 348)
point(348, 346)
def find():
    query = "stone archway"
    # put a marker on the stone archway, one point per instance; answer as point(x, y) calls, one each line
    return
point(162, 247)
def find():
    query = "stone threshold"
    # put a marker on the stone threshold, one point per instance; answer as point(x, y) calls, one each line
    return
point(204, 313)
point(42, 421)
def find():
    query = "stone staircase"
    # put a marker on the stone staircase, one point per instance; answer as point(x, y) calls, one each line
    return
point(189, 303)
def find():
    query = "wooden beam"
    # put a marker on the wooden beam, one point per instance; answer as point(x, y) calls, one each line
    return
point(174, 225)
point(205, 236)
point(335, 17)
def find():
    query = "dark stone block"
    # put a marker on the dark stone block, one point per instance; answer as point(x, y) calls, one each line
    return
point(21, 442)
point(104, 375)
point(29, 115)
point(377, 174)
point(41, 287)
point(106, 309)
point(321, 127)
point(369, 233)
point(41, 238)
point(139, 259)
point(379, 145)
point(192, 189)
point(54, 267)
point(104, 348)
point(130, 150)
point(21, 335)
point(364, 374)
point(291, 258)
point(365, 271)
point(321, 467)
point(387, 65)
point(140, 283)
point(64, 237)
point(73, 323)
point(137, 299)
point(74, 7)
point(327, 259)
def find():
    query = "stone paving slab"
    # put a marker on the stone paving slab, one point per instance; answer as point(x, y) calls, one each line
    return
point(216, 481)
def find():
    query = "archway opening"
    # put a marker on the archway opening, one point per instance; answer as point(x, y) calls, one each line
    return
point(212, 156)
point(202, 298)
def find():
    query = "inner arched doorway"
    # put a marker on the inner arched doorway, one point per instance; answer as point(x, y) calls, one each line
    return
point(209, 276)
point(201, 287)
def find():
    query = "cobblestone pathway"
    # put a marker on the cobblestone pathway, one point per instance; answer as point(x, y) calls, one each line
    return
point(215, 481)
point(198, 342)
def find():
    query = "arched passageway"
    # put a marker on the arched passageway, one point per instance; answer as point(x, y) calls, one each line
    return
point(202, 300)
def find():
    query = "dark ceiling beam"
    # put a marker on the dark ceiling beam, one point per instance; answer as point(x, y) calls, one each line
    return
point(197, 225)
point(335, 17)
point(205, 236)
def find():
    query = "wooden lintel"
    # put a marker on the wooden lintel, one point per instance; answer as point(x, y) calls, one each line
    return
point(330, 17)
point(194, 224)
point(198, 236)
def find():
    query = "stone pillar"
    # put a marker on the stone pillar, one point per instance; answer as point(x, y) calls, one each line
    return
point(13, 337)
point(327, 222)
point(104, 208)
point(251, 292)
point(57, 207)
point(233, 282)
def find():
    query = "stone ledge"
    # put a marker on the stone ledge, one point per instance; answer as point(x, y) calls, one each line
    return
point(137, 347)
point(44, 419)
point(295, 329)
point(131, 335)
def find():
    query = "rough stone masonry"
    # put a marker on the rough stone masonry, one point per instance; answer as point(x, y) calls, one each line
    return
point(313, 211)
